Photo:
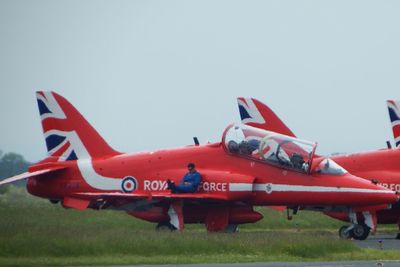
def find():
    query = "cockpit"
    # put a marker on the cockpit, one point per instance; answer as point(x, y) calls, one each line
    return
point(277, 149)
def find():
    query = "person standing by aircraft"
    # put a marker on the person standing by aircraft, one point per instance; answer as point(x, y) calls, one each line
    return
point(190, 181)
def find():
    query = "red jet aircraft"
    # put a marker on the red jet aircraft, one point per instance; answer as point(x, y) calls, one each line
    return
point(249, 167)
point(380, 167)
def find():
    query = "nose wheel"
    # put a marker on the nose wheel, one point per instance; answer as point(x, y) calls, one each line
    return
point(231, 228)
point(356, 231)
point(344, 233)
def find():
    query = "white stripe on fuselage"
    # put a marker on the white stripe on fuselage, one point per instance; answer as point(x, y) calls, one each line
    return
point(94, 179)
point(239, 187)
point(304, 188)
point(85, 166)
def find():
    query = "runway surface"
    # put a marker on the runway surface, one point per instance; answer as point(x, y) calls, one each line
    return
point(291, 264)
point(374, 242)
point(379, 242)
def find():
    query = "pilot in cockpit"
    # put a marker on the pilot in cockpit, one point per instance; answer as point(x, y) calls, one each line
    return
point(245, 147)
point(233, 146)
point(298, 162)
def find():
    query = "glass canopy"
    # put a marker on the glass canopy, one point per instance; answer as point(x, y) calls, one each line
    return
point(282, 150)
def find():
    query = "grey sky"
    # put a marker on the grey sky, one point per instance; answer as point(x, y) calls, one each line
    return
point(152, 74)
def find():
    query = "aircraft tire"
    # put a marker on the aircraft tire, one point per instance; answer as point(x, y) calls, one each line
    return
point(231, 228)
point(165, 226)
point(343, 234)
point(54, 201)
point(360, 232)
point(398, 236)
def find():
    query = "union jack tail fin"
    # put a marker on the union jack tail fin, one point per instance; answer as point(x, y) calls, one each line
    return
point(257, 114)
point(67, 133)
point(394, 114)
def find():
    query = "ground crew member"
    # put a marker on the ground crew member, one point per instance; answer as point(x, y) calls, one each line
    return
point(189, 183)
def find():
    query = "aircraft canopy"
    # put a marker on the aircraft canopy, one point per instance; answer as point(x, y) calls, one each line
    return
point(266, 146)
point(328, 166)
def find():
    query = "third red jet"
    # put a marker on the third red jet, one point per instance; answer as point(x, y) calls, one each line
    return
point(380, 167)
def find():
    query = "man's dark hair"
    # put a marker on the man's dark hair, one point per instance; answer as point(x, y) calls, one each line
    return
point(191, 165)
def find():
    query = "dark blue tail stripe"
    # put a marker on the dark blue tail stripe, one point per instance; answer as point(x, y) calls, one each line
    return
point(243, 113)
point(42, 107)
point(53, 141)
point(393, 115)
point(72, 156)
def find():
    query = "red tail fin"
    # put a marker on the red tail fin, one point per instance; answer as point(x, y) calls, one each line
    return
point(257, 114)
point(394, 114)
point(67, 133)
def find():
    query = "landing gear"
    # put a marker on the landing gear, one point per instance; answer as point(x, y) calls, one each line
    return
point(344, 233)
point(54, 201)
point(398, 236)
point(356, 231)
point(231, 228)
point(360, 232)
point(165, 227)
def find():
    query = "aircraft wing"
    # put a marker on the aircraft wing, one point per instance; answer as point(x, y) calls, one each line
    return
point(27, 175)
point(154, 195)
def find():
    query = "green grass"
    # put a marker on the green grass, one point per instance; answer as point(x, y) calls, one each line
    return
point(34, 232)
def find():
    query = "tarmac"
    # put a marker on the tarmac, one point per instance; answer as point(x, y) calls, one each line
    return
point(380, 242)
point(375, 242)
point(291, 264)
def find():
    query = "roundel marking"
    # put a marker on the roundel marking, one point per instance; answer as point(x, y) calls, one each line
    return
point(128, 184)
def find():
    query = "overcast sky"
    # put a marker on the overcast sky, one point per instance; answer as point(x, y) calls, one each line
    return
point(153, 74)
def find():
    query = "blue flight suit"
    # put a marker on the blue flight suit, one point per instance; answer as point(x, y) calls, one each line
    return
point(190, 183)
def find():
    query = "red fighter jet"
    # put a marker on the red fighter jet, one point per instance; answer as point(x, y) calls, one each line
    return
point(249, 167)
point(380, 167)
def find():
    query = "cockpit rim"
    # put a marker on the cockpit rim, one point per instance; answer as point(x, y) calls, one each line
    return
point(226, 149)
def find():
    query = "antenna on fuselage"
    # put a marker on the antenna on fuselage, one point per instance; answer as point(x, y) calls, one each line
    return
point(196, 141)
point(389, 145)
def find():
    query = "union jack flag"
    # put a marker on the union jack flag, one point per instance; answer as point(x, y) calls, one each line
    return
point(249, 112)
point(58, 140)
point(394, 114)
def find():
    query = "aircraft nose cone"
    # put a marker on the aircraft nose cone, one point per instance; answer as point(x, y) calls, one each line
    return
point(364, 192)
point(383, 195)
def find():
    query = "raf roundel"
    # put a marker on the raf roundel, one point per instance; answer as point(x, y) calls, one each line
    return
point(129, 184)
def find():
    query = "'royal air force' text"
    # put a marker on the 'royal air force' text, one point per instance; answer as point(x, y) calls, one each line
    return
point(158, 185)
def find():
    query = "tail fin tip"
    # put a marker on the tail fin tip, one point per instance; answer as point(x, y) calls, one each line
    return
point(255, 113)
point(394, 115)
point(67, 134)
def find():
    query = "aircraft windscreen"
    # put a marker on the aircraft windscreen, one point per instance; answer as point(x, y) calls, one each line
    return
point(328, 166)
point(270, 147)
